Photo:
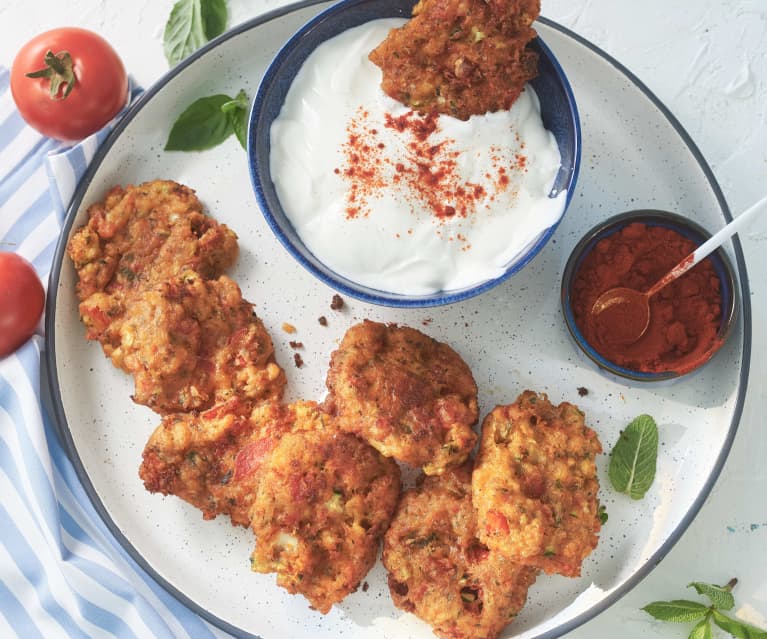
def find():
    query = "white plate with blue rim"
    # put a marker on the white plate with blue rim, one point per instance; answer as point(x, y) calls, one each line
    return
point(635, 153)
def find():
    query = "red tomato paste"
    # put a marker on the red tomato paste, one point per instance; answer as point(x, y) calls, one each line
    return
point(684, 316)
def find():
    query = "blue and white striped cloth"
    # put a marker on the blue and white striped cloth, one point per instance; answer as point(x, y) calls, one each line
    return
point(62, 574)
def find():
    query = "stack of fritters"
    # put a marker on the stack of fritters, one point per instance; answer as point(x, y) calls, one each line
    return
point(317, 499)
point(460, 57)
point(463, 548)
point(319, 483)
point(152, 291)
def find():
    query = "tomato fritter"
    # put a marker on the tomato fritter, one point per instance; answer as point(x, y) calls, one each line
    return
point(146, 233)
point(441, 572)
point(323, 502)
point(460, 57)
point(149, 265)
point(535, 484)
point(189, 342)
point(408, 395)
point(211, 459)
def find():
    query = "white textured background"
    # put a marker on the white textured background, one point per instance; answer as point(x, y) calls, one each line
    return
point(707, 62)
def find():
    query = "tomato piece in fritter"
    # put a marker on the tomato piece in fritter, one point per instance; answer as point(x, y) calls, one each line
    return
point(441, 572)
point(190, 343)
point(460, 57)
point(323, 502)
point(212, 459)
point(408, 395)
point(535, 484)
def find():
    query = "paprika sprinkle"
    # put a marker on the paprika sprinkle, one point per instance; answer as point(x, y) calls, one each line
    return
point(685, 315)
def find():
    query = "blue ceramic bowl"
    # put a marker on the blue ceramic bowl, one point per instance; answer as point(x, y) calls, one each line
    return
point(558, 111)
point(687, 228)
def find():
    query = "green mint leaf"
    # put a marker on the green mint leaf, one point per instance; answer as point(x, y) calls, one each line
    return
point(238, 110)
point(737, 628)
point(633, 458)
point(676, 610)
point(702, 630)
point(214, 16)
point(201, 126)
point(721, 597)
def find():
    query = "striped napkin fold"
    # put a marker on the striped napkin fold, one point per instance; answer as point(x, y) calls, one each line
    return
point(62, 573)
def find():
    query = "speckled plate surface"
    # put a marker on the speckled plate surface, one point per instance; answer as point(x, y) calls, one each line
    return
point(635, 155)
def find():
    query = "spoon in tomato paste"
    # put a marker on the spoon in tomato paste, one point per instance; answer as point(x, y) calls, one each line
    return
point(624, 313)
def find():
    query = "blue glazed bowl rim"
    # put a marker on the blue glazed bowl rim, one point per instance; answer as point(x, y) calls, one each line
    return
point(653, 217)
point(345, 285)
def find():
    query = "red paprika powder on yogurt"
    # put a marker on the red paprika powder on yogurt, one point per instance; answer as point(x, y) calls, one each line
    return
point(684, 316)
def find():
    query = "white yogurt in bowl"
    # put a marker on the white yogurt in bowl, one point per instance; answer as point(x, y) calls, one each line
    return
point(404, 203)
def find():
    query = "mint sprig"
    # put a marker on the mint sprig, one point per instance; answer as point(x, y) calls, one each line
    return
point(634, 457)
point(720, 597)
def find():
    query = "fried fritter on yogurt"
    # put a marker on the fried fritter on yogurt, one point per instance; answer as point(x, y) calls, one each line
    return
point(190, 343)
point(212, 459)
point(460, 57)
point(323, 502)
point(441, 572)
point(410, 396)
point(535, 484)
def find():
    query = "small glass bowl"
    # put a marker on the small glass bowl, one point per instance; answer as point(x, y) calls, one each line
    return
point(685, 227)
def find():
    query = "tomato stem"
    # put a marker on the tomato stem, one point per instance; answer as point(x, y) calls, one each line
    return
point(58, 69)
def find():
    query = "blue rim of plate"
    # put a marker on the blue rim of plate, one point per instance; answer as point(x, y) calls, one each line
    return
point(365, 293)
point(59, 417)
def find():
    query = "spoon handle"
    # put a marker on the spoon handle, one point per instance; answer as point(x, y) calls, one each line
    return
point(709, 246)
point(721, 236)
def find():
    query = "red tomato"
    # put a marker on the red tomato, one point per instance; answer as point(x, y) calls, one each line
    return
point(21, 301)
point(99, 90)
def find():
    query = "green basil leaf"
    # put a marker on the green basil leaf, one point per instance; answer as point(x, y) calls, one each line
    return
point(721, 597)
point(214, 17)
point(634, 456)
point(702, 630)
point(201, 126)
point(737, 628)
point(184, 31)
point(676, 610)
point(237, 110)
point(190, 25)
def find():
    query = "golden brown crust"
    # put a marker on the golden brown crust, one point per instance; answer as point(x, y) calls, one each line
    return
point(324, 500)
point(535, 484)
point(441, 572)
point(146, 233)
point(211, 459)
point(190, 343)
point(460, 57)
point(410, 396)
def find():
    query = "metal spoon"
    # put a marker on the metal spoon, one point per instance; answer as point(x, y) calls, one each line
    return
point(633, 306)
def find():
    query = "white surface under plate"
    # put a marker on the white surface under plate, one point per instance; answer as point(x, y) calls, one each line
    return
point(513, 337)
